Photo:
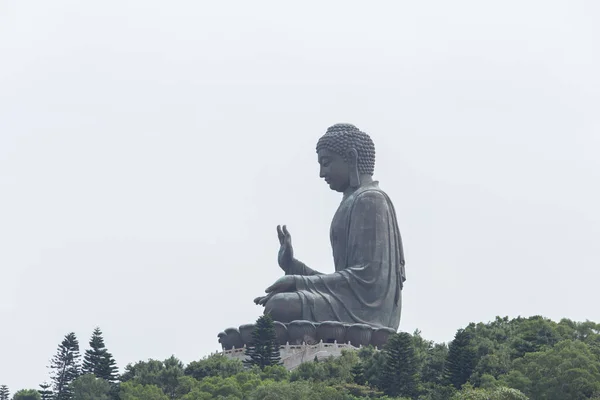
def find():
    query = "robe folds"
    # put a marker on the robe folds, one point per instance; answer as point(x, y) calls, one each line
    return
point(369, 265)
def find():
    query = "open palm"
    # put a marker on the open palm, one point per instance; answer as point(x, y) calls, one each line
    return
point(286, 251)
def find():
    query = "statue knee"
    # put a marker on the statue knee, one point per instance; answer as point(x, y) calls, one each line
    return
point(284, 307)
point(276, 306)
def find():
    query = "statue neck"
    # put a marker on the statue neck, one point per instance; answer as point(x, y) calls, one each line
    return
point(365, 179)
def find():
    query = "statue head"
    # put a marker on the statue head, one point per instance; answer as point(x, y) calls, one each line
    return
point(346, 156)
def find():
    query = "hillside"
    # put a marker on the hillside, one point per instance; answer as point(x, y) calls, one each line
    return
point(519, 358)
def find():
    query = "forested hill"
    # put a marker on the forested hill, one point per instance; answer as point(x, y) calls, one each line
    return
point(521, 358)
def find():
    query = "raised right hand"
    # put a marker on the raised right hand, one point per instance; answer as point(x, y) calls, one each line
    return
point(286, 251)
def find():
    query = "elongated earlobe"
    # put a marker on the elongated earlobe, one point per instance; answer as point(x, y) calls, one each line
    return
point(353, 168)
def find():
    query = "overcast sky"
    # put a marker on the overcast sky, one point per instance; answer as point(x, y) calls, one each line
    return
point(149, 149)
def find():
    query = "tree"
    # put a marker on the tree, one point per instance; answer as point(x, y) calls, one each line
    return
point(143, 372)
point(66, 367)
point(264, 349)
point(430, 358)
point(170, 376)
point(134, 391)
point(165, 375)
point(45, 391)
point(98, 361)
point(358, 374)
point(4, 392)
point(372, 363)
point(309, 371)
point(534, 334)
point(89, 387)
point(301, 390)
point(491, 365)
point(433, 369)
point(215, 365)
point(277, 373)
point(27, 394)
point(332, 370)
point(499, 393)
point(400, 368)
point(569, 370)
point(461, 359)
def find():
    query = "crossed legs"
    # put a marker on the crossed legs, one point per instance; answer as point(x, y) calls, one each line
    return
point(284, 307)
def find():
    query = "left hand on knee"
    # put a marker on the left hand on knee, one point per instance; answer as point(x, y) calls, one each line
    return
point(262, 300)
point(286, 283)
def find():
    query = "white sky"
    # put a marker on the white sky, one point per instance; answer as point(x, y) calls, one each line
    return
point(148, 150)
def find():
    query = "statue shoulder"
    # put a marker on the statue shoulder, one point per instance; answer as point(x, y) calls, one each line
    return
point(372, 196)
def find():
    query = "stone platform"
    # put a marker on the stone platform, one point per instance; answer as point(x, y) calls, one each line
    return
point(298, 333)
point(294, 355)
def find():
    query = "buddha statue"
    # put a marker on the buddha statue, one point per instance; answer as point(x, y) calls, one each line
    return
point(366, 286)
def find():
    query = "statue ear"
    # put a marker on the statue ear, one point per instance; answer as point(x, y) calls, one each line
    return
point(353, 167)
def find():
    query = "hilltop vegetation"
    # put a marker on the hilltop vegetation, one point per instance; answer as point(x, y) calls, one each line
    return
point(506, 359)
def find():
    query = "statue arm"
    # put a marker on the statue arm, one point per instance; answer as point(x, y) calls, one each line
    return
point(299, 268)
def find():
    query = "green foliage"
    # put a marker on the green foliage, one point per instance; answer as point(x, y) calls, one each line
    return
point(434, 391)
point(569, 370)
point(461, 360)
point(358, 374)
point(499, 393)
point(89, 387)
point(66, 367)
point(534, 334)
point(360, 391)
point(587, 332)
point(331, 370)
point(163, 374)
point(170, 376)
point(98, 361)
point(135, 391)
point(143, 372)
point(491, 366)
point(276, 373)
point(309, 371)
point(400, 370)
point(45, 391)
point(235, 387)
point(301, 390)
point(264, 349)
point(505, 359)
point(215, 365)
point(372, 363)
point(217, 386)
point(431, 360)
point(4, 392)
point(27, 394)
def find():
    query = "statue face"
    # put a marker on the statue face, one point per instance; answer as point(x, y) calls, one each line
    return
point(334, 170)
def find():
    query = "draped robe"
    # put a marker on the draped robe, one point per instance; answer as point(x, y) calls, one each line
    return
point(369, 265)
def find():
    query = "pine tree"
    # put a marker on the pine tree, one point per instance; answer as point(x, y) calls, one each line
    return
point(98, 361)
point(400, 367)
point(66, 367)
point(45, 391)
point(264, 349)
point(358, 374)
point(4, 393)
point(461, 359)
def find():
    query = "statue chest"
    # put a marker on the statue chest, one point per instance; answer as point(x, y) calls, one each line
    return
point(339, 233)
